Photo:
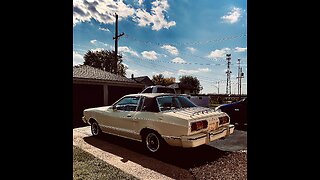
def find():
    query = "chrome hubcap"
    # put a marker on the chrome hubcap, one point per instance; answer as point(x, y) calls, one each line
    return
point(152, 142)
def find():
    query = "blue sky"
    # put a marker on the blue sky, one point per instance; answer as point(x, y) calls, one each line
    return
point(171, 37)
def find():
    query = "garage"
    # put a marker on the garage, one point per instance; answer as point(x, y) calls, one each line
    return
point(93, 87)
point(85, 96)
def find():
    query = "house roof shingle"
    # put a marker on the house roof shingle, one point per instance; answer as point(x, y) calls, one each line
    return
point(140, 79)
point(88, 72)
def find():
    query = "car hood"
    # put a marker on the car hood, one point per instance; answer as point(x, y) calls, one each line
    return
point(97, 109)
point(193, 113)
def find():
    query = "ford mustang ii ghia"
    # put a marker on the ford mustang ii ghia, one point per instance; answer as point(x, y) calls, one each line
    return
point(158, 119)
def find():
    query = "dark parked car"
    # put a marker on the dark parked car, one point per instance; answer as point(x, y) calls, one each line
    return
point(237, 112)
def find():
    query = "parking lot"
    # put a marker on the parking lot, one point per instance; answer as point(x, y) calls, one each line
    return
point(130, 157)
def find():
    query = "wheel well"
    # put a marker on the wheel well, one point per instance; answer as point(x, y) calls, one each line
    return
point(144, 131)
point(91, 120)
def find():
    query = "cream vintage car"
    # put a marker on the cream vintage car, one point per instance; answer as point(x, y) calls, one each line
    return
point(158, 119)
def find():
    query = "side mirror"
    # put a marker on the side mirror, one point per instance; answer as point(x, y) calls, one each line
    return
point(114, 107)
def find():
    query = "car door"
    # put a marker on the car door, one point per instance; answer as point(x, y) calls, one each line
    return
point(122, 120)
point(237, 112)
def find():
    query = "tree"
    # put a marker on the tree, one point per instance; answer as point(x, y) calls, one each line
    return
point(104, 60)
point(190, 82)
point(161, 80)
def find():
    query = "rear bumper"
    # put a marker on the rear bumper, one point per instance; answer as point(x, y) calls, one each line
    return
point(201, 138)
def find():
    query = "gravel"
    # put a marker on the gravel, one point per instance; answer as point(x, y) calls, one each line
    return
point(232, 165)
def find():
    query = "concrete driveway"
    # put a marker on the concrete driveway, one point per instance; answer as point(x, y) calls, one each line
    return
point(130, 156)
point(237, 141)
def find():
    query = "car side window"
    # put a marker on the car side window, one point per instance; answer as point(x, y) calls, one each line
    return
point(148, 90)
point(149, 105)
point(127, 104)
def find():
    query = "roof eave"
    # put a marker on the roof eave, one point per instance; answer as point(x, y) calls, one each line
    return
point(78, 80)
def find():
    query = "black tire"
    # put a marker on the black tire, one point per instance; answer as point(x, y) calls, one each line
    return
point(153, 142)
point(95, 129)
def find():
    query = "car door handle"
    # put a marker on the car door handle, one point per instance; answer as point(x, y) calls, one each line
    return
point(129, 116)
point(236, 109)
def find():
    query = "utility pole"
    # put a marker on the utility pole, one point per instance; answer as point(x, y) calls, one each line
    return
point(228, 86)
point(240, 76)
point(239, 79)
point(116, 37)
point(218, 86)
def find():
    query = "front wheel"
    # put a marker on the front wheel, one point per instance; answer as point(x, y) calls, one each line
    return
point(95, 129)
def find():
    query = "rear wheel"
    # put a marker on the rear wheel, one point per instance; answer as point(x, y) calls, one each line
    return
point(153, 142)
point(95, 129)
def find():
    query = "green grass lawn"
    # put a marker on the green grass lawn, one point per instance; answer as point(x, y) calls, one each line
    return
point(87, 166)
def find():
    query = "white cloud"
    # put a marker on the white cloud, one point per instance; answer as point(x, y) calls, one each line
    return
point(132, 71)
point(77, 58)
point(233, 16)
point(104, 12)
point(97, 49)
point(186, 72)
point(239, 49)
point(135, 72)
point(219, 53)
point(171, 49)
point(143, 18)
point(126, 49)
point(93, 41)
point(178, 60)
point(99, 43)
point(191, 49)
point(104, 29)
point(204, 70)
point(166, 73)
point(192, 71)
point(156, 18)
point(149, 55)
point(140, 2)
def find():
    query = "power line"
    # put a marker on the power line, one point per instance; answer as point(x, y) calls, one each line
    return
point(153, 66)
point(187, 43)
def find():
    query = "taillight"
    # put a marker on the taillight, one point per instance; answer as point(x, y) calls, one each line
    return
point(195, 126)
point(223, 120)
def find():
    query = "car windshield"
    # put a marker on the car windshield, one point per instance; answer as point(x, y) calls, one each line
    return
point(173, 102)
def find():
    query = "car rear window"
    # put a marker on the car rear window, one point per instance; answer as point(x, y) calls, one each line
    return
point(165, 90)
point(174, 102)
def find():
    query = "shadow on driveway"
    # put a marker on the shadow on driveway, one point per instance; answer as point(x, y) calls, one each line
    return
point(174, 162)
